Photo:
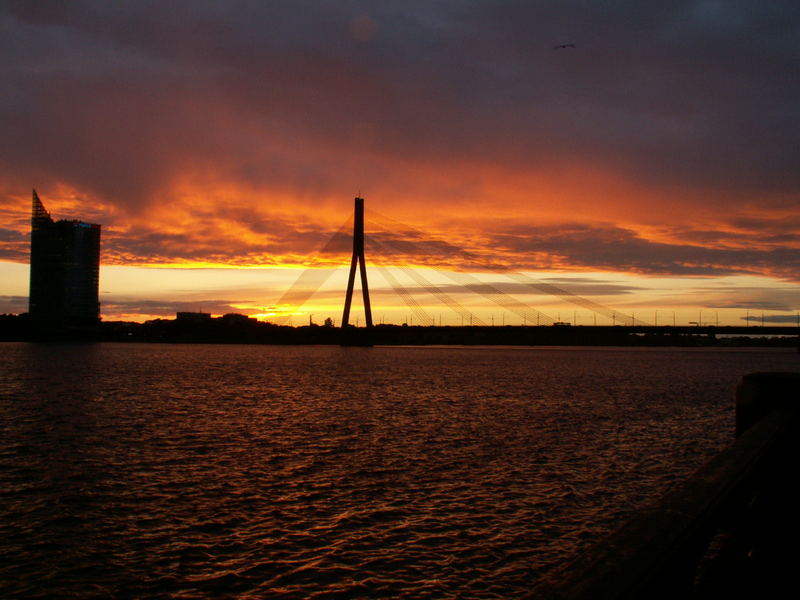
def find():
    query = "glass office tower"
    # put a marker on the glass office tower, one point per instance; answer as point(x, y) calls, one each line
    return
point(65, 270)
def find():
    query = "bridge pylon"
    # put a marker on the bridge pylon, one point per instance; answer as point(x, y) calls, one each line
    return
point(358, 257)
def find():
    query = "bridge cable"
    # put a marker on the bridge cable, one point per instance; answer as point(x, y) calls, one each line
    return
point(313, 277)
point(540, 286)
point(486, 290)
point(426, 285)
point(423, 317)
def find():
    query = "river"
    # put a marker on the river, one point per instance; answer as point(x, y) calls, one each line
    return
point(203, 471)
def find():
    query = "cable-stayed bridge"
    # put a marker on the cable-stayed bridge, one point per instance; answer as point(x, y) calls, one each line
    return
point(392, 245)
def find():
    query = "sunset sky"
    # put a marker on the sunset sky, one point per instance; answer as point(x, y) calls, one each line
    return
point(654, 168)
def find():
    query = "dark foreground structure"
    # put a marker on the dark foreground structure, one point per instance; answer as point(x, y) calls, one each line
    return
point(65, 269)
point(730, 531)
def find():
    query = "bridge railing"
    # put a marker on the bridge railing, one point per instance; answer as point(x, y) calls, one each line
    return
point(730, 531)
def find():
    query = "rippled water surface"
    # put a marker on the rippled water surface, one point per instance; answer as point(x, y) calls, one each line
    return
point(150, 471)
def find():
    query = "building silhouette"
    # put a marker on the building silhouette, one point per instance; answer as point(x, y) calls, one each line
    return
point(65, 270)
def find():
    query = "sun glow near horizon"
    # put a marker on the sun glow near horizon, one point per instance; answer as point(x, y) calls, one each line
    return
point(144, 293)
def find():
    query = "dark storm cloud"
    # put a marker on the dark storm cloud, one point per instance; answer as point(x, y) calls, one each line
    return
point(599, 247)
point(120, 97)
point(11, 235)
point(114, 305)
point(790, 319)
point(615, 248)
point(580, 287)
point(414, 247)
point(784, 299)
point(13, 245)
point(777, 229)
point(13, 305)
point(590, 286)
point(277, 241)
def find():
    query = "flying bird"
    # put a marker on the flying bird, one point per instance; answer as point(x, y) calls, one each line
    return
point(560, 46)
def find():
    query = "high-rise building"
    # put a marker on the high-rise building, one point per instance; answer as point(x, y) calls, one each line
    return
point(65, 270)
